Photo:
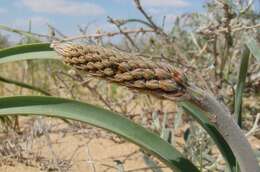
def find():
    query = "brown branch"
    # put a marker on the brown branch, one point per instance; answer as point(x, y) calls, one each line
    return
point(57, 31)
point(156, 28)
point(108, 34)
point(118, 25)
point(216, 31)
point(123, 22)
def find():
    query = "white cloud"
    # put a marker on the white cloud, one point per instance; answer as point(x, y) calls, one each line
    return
point(65, 7)
point(3, 11)
point(160, 3)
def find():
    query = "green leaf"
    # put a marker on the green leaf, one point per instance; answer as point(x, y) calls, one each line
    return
point(24, 85)
point(201, 117)
point(254, 47)
point(29, 51)
point(241, 84)
point(70, 109)
point(25, 52)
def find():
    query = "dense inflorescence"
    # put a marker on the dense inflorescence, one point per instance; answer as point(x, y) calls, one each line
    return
point(123, 68)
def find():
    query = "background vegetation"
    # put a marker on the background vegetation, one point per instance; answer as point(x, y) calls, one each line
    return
point(207, 47)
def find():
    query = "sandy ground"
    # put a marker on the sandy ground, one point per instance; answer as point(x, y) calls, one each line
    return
point(85, 150)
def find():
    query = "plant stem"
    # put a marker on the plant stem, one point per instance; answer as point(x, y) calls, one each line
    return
point(220, 116)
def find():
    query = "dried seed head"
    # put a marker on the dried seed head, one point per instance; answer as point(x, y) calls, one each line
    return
point(108, 72)
point(125, 69)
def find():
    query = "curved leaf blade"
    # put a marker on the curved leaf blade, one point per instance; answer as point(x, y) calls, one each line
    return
point(241, 85)
point(26, 52)
point(224, 148)
point(24, 85)
point(64, 108)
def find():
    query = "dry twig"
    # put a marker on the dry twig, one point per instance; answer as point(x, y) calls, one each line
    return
point(109, 34)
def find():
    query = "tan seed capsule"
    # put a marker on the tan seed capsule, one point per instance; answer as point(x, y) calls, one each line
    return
point(86, 49)
point(82, 59)
point(143, 65)
point(152, 84)
point(124, 67)
point(90, 59)
point(90, 66)
point(84, 67)
point(81, 67)
point(72, 53)
point(161, 74)
point(99, 73)
point(98, 65)
point(67, 59)
point(118, 77)
point(106, 63)
point(137, 73)
point(134, 63)
point(74, 60)
point(149, 74)
point(81, 52)
point(168, 85)
point(93, 57)
point(127, 76)
point(139, 84)
point(108, 72)
point(150, 64)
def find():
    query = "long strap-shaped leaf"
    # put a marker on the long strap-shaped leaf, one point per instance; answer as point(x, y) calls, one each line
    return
point(200, 116)
point(70, 109)
point(241, 85)
point(24, 85)
point(26, 52)
point(20, 54)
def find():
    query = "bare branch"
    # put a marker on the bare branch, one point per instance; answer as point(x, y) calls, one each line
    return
point(118, 25)
point(156, 28)
point(255, 127)
point(108, 34)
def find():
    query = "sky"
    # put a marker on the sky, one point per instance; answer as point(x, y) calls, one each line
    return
point(67, 15)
